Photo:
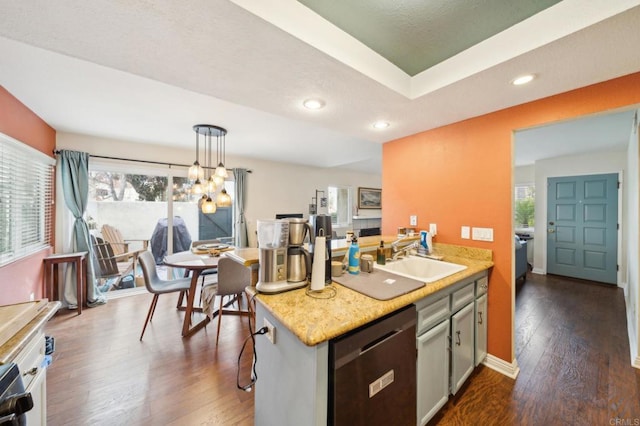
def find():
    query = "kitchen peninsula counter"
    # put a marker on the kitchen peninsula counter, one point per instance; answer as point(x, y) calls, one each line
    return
point(317, 320)
point(293, 370)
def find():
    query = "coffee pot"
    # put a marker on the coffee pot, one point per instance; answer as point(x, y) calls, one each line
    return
point(298, 259)
point(299, 262)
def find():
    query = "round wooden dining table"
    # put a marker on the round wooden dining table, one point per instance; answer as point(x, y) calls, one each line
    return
point(195, 264)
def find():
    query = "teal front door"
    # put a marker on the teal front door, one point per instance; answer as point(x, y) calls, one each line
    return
point(582, 227)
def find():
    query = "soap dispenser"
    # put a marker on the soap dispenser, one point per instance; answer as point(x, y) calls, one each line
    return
point(354, 257)
point(381, 258)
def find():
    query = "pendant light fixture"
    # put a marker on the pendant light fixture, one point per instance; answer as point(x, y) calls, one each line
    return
point(215, 179)
point(221, 170)
point(196, 172)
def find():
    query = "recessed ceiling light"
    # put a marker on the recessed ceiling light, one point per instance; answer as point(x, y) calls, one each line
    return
point(523, 79)
point(380, 125)
point(313, 103)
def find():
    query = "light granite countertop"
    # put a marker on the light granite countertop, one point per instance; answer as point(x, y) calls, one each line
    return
point(315, 320)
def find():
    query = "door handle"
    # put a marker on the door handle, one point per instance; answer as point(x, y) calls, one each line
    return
point(479, 317)
point(551, 230)
point(458, 337)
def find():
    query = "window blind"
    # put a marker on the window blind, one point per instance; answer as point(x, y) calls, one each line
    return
point(26, 199)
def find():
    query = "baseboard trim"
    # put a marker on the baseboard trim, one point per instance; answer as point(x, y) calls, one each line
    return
point(633, 339)
point(503, 367)
point(539, 271)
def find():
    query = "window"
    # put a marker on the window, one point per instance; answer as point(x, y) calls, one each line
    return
point(525, 196)
point(137, 198)
point(26, 197)
point(339, 205)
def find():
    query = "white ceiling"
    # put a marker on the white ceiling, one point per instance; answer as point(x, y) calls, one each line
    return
point(147, 71)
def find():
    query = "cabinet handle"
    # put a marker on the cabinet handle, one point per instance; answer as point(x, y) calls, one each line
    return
point(458, 337)
point(31, 372)
point(479, 317)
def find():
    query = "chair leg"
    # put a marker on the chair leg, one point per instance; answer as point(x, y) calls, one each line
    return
point(152, 309)
point(219, 319)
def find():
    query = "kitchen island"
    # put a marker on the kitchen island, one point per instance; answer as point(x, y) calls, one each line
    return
point(292, 384)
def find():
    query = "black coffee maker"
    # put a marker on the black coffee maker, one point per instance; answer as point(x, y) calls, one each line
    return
point(321, 225)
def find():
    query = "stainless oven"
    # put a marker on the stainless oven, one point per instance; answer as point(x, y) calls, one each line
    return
point(14, 401)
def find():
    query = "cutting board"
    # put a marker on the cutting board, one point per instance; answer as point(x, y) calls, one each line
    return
point(14, 317)
point(378, 284)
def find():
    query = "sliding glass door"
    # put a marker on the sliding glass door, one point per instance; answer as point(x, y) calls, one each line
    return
point(150, 206)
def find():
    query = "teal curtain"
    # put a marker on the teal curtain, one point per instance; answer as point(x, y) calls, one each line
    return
point(240, 198)
point(74, 172)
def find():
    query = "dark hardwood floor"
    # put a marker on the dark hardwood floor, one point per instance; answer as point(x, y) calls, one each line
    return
point(575, 369)
point(571, 341)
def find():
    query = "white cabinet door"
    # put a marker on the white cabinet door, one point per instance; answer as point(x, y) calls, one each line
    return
point(481, 329)
point(38, 388)
point(462, 346)
point(432, 371)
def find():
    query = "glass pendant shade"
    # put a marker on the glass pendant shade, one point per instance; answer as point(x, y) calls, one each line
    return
point(208, 206)
point(197, 187)
point(221, 171)
point(223, 199)
point(219, 180)
point(196, 171)
point(211, 185)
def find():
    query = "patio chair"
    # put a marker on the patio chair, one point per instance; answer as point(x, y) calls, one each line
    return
point(106, 265)
point(120, 246)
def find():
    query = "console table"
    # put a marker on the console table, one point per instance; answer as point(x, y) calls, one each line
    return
point(51, 262)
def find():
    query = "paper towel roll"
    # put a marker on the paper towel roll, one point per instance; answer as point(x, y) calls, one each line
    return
point(317, 270)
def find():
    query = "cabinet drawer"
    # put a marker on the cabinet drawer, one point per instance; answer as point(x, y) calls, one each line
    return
point(482, 285)
point(29, 359)
point(462, 297)
point(432, 314)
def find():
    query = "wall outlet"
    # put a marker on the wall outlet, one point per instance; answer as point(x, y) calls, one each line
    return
point(465, 233)
point(271, 331)
point(413, 220)
point(482, 234)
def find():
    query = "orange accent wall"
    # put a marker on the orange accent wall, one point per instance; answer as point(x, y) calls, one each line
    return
point(462, 174)
point(19, 279)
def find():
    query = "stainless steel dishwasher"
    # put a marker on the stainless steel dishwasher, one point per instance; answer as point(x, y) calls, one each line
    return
point(372, 373)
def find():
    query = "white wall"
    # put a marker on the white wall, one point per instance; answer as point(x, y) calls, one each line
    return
point(632, 293)
point(585, 164)
point(524, 175)
point(272, 187)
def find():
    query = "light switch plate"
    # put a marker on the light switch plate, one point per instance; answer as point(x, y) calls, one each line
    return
point(433, 229)
point(413, 220)
point(465, 233)
point(482, 234)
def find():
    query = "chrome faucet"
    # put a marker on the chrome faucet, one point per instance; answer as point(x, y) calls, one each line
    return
point(394, 245)
point(404, 251)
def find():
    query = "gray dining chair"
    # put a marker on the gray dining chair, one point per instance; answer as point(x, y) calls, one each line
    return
point(157, 286)
point(207, 272)
point(233, 278)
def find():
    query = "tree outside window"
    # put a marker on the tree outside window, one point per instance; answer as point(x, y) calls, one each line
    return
point(525, 206)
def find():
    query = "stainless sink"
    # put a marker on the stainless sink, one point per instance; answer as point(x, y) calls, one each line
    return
point(421, 269)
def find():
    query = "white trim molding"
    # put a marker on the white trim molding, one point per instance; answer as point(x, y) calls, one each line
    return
point(633, 340)
point(503, 367)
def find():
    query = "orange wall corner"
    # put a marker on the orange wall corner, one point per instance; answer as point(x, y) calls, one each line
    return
point(462, 174)
point(19, 279)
